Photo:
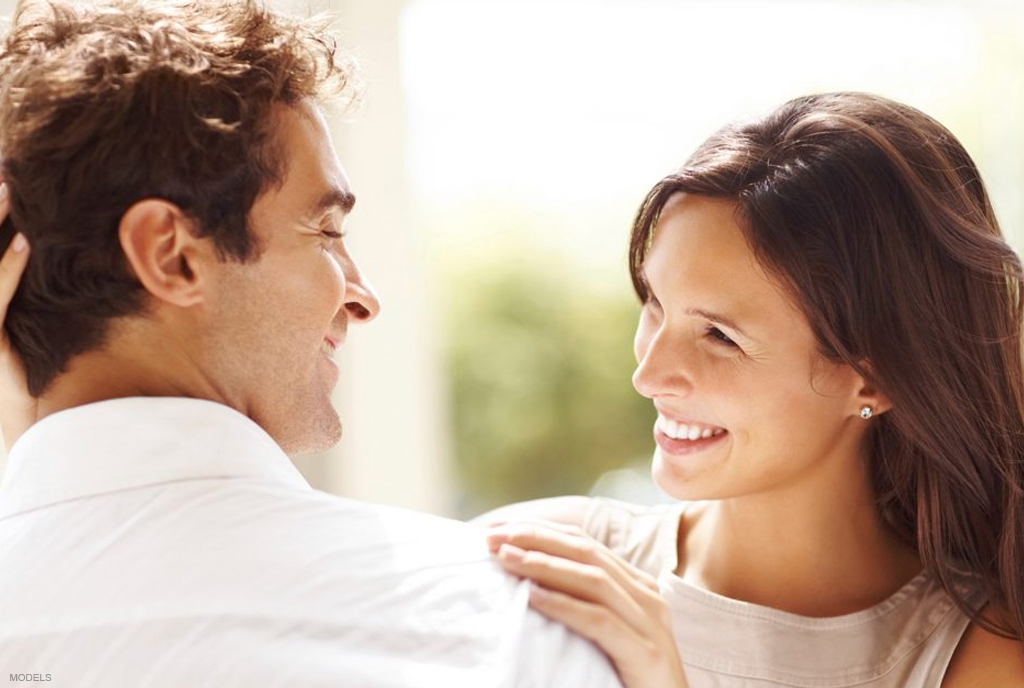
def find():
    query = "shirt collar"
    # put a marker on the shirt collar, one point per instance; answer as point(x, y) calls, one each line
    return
point(131, 442)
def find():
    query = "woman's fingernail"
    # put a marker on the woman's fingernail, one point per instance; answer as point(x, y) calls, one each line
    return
point(511, 553)
point(537, 593)
point(20, 243)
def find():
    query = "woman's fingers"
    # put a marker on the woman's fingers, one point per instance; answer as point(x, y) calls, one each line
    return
point(563, 559)
point(580, 582)
point(642, 661)
point(590, 620)
point(586, 582)
point(569, 542)
point(14, 260)
point(12, 267)
point(17, 408)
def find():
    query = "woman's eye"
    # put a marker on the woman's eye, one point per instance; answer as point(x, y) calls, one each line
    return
point(330, 234)
point(720, 337)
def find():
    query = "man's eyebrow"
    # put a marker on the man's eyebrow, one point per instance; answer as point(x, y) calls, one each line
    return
point(334, 198)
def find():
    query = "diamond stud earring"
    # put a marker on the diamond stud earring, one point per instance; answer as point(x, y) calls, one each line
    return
point(866, 412)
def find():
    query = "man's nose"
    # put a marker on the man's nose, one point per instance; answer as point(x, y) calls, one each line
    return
point(361, 300)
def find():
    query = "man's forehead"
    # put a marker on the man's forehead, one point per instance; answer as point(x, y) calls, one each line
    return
point(311, 110)
point(304, 135)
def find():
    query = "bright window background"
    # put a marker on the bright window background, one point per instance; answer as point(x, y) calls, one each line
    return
point(500, 154)
point(535, 128)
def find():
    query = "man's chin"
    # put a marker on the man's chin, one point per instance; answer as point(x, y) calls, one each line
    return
point(323, 434)
point(315, 447)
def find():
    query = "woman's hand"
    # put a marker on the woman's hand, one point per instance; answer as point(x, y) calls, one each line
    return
point(580, 583)
point(18, 409)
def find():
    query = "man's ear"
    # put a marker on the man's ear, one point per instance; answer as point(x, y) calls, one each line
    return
point(165, 255)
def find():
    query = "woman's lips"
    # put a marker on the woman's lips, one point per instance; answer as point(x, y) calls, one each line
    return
point(686, 430)
point(681, 447)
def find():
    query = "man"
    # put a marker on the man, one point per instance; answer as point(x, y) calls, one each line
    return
point(189, 283)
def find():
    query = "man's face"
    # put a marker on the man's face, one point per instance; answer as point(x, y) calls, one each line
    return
point(276, 321)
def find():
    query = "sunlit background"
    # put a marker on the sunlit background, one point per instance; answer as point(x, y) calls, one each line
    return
point(501, 151)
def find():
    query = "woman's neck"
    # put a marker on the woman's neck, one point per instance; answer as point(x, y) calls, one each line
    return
point(814, 550)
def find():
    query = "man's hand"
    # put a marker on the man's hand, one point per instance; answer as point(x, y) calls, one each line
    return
point(582, 584)
point(18, 410)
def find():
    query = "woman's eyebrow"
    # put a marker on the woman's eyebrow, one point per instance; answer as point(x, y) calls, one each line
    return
point(724, 320)
point(701, 312)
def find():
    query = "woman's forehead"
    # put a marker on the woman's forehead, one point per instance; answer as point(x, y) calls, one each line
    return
point(700, 254)
point(701, 237)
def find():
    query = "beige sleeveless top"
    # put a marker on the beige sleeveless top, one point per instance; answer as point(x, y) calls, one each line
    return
point(905, 641)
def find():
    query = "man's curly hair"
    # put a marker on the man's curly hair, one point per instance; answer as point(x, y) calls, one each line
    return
point(104, 105)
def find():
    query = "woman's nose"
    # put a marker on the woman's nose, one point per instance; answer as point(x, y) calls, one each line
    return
point(661, 368)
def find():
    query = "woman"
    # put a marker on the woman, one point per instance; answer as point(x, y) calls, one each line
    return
point(831, 336)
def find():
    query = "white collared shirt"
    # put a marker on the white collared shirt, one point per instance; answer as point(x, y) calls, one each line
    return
point(168, 542)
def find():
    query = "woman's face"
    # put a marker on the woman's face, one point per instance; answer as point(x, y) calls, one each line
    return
point(745, 403)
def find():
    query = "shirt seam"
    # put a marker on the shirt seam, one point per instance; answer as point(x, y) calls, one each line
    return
point(133, 488)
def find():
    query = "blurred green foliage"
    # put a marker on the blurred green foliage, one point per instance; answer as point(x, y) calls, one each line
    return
point(539, 358)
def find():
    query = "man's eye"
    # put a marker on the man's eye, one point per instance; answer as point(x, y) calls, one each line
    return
point(331, 235)
point(720, 337)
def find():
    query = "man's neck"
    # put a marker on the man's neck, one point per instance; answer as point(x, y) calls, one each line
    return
point(132, 364)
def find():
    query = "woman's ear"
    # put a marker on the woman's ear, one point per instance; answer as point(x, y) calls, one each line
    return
point(164, 253)
point(869, 394)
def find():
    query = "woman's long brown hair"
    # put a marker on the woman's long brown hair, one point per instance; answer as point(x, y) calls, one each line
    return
point(875, 218)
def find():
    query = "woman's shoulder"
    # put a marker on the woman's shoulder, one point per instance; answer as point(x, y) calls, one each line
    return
point(570, 510)
point(985, 659)
point(646, 536)
point(606, 512)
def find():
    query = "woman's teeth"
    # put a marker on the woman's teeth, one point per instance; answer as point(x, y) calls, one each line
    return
point(683, 431)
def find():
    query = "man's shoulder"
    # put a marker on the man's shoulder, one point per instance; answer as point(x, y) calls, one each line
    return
point(349, 524)
point(299, 526)
point(428, 581)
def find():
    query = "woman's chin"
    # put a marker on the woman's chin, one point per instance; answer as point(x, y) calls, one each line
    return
point(679, 482)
